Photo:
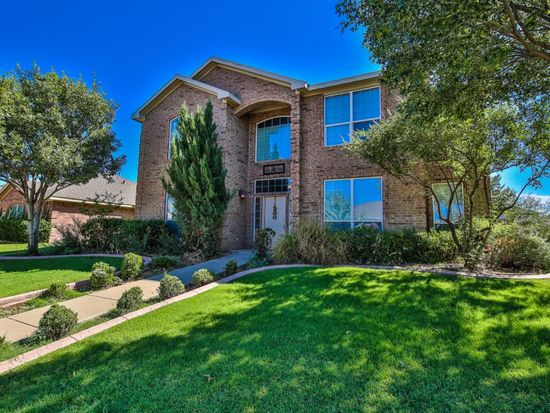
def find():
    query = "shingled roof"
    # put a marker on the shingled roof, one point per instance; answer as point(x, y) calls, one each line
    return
point(123, 189)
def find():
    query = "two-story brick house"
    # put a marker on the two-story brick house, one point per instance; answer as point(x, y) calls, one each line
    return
point(283, 149)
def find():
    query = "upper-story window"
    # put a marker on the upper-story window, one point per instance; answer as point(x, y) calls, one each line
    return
point(273, 139)
point(173, 134)
point(349, 112)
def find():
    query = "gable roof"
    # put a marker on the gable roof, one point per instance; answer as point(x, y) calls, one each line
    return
point(172, 84)
point(121, 188)
point(213, 62)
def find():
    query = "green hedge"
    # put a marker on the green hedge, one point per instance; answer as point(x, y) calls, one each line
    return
point(15, 230)
point(111, 235)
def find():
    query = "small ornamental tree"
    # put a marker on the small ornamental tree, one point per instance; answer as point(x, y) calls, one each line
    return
point(196, 180)
point(54, 132)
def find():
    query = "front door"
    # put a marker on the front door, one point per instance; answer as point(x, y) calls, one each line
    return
point(274, 215)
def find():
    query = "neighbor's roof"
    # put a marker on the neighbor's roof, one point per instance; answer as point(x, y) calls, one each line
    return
point(123, 190)
point(217, 62)
point(172, 84)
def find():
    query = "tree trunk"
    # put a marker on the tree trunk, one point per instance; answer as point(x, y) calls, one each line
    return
point(33, 229)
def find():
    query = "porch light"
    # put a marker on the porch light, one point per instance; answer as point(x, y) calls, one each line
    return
point(242, 194)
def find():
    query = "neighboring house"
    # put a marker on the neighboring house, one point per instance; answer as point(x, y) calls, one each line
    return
point(283, 149)
point(72, 203)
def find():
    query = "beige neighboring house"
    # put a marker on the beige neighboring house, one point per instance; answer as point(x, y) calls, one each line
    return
point(68, 204)
point(283, 145)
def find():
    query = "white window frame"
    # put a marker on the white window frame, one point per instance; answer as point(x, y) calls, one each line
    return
point(434, 203)
point(256, 139)
point(169, 154)
point(352, 220)
point(351, 122)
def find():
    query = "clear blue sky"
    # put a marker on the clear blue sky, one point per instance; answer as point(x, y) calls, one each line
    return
point(134, 47)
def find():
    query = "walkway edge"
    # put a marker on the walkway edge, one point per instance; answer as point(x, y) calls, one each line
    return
point(24, 358)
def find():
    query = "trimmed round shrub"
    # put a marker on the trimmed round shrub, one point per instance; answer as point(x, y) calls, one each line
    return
point(170, 286)
point(130, 300)
point(164, 262)
point(55, 290)
point(231, 267)
point(103, 276)
point(202, 277)
point(512, 247)
point(56, 323)
point(132, 265)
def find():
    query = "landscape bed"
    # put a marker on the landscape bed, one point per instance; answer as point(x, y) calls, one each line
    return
point(336, 339)
point(25, 275)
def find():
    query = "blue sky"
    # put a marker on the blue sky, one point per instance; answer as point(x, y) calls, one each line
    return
point(134, 47)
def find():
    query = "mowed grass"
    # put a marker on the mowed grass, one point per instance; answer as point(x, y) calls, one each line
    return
point(21, 249)
point(20, 276)
point(310, 340)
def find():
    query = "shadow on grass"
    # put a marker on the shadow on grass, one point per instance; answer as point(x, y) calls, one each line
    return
point(312, 340)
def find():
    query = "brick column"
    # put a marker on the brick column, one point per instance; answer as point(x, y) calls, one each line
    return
point(295, 160)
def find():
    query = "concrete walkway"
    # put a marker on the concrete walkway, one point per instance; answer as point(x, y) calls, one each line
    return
point(23, 325)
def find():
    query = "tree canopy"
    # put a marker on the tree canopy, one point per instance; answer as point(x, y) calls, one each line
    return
point(54, 132)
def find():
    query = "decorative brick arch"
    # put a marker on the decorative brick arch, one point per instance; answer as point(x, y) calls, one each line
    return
point(244, 109)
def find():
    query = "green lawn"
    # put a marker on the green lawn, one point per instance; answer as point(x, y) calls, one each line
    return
point(311, 340)
point(21, 276)
point(21, 249)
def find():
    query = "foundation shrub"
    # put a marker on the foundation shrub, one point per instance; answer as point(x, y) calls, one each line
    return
point(15, 229)
point(231, 268)
point(56, 323)
point(513, 247)
point(164, 261)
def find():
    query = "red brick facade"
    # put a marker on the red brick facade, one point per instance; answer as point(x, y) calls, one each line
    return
point(60, 213)
point(310, 164)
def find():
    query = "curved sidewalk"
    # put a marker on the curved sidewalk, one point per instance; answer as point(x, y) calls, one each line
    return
point(23, 325)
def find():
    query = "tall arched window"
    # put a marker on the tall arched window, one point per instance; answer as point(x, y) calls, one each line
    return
point(273, 139)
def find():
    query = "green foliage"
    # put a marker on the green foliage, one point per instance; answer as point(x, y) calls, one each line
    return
point(202, 277)
point(103, 276)
point(55, 290)
point(196, 180)
point(130, 300)
point(112, 235)
point(56, 323)
point(132, 266)
point(170, 286)
point(263, 241)
point(314, 244)
point(16, 230)
point(514, 247)
point(164, 262)
point(54, 132)
point(231, 268)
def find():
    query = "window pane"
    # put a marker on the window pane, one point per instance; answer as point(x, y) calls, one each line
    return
point(338, 226)
point(273, 142)
point(362, 126)
point(173, 134)
point(169, 208)
point(443, 193)
point(366, 104)
point(337, 109)
point(338, 200)
point(367, 200)
point(337, 135)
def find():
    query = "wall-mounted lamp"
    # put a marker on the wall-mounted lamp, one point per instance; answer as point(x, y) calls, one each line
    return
point(242, 194)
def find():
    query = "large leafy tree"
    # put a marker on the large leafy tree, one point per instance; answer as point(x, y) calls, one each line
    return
point(196, 180)
point(54, 132)
point(474, 77)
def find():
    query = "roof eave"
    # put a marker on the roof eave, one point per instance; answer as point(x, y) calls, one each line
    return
point(344, 81)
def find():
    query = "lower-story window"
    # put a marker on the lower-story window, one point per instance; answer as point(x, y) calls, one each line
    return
point(169, 208)
point(350, 203)
point(443, 192)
